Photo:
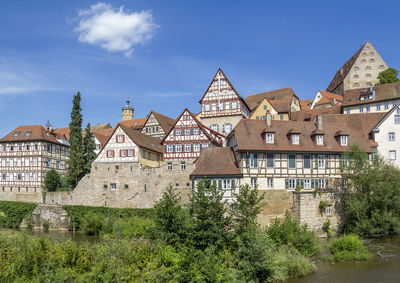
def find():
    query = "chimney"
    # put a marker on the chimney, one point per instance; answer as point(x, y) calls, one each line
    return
point(318, 119)
point(268, 118)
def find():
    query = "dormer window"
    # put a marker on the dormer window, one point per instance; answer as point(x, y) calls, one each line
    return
point(295, 138)
point(16, 134)
point(28, 133)
point(269, 137)
point(343, 140)
point(320, 140)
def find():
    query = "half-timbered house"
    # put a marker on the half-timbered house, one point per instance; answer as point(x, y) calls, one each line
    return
point(27, 153)
point(157, 125)
point(221, 105)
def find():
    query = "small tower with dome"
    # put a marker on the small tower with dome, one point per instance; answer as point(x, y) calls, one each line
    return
point(127, 111)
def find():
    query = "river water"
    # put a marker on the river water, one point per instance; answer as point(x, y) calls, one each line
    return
point(384, 267)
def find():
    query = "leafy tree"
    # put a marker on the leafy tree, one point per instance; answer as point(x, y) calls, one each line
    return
point(52, 180)
point(372, 202)
point(88, 149)
point(211, 222)
point(76, 155)
point(247, 205)
point(172, 220)
point(388, 76)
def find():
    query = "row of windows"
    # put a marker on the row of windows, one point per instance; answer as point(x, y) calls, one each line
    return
point(366, 75)
point(122, 153)
point(152, 129)
point(35, 147)
point(226, 128)
point(281, 117)
point(18, 162)
point(372, 60)
point(270, 138)
point(187, 132)
point(19, 177)
point(321, 161)
point(19, 189)
point(222, 106)
point(182, 166)
point(185, 147)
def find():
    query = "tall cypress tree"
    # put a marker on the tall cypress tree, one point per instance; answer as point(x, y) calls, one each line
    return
point(88, 149)
point(76, 156)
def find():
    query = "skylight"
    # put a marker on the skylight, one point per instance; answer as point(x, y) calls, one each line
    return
point(28, 133)
point(16, 134)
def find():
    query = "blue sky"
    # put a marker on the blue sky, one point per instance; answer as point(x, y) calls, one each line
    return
point(163, 54)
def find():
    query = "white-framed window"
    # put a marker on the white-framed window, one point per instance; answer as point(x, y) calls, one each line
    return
point(320, 139)
point(397, 119)
point(226, 128)
point(188, 148)
point(187, 132)
point(386, 105)
point(322, 183)
point(196, 147)
point(170, 148)
point(19, 147)
point(307, 183)
point(234, 105)
point(207, 107)
point(196, 131)
point(123, 152)
point(227, 184)
point(270, 160)
point(321, 161)
point(307, 161)
point(295, 138)
point(253, 183)
point(178, 148)
point(361, 109)
point(130, 152)
point(178, 132)
point(48, 163)
point(269, 137)
point(26, 176)
point(11, 177)
point(26, 161)
point(343, 140)
point(169, 166)
point(378, 107)
point(215, 127)
point(221, 106)
point(11, 162)
point(292, 183)
point(292, 161)
point(3, 162)
point(110, 153)
point(329, 209)
point(392, 136)
point(120, 138)
point(35, 176)
point(3, 176)
point(270, 183)
point(183, 165)
point(392, 155)
point(253, 160)
point(113, 186)
point(367, 108)
point(35, 161)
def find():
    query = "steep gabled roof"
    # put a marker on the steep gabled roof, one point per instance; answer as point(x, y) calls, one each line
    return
point(143, 140)
point(343, 71)
point(216, 161)
point(277, 94)
point(229, 83)
point(205, 129)
point(30, 133)
point(165, 122)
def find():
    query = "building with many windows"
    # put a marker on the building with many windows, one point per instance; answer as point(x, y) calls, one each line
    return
point(360, 71)
point(221, 105)
point(372, 99)
point(157, 125)
point(27, 153)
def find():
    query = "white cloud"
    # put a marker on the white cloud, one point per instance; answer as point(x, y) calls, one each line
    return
point(115, 30)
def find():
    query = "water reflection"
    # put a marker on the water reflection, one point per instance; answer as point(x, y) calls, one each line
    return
point(384, 267)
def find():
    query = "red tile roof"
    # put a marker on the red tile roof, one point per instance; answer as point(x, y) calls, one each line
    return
point(310, 114)
point(30, 133)
point(283, 94)
point(382, 93)
point(136, 124)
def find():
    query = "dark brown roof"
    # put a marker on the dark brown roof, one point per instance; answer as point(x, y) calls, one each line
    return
point(143, 140)
point(278, 94)
point(249, 133)
point(343, 71)
point(382, 92)
point(102, 138)
point(281, 105)
point(38, 133)
point(215, 161)
point(166, 122)
point(307, 115)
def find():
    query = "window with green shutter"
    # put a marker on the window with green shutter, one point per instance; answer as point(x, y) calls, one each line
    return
point(270, 161)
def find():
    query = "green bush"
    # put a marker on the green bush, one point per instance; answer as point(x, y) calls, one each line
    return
point(288, 231)
point(133, 227)
point(12, 213)
point(52, 180)
point(348, 247)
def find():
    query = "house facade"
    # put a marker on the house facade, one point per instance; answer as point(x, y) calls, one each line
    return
point(360, 71)
point(27, 153)
point(221, 105)
point(157, 125)
point(324, 99)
